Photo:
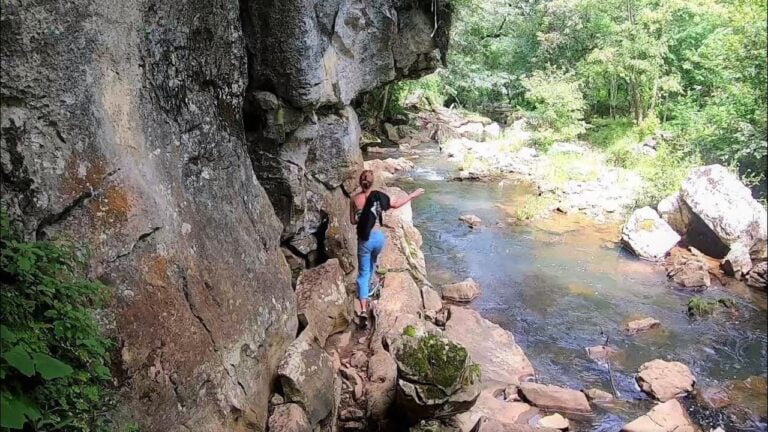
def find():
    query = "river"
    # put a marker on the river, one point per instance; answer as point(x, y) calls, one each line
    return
point(559, 286)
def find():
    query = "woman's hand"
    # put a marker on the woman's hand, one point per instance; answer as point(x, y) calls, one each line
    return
point(417, 193)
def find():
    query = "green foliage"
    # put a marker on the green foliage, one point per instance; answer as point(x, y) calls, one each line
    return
point(663, 174)
point(699, 306)
point(694, 68)
point(559, 105)
point(533, 208)
point(54, 365)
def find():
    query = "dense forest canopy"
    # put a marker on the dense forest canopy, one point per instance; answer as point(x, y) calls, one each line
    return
point(695, 69)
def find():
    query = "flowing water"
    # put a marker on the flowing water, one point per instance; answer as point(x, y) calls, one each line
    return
point(559, 288)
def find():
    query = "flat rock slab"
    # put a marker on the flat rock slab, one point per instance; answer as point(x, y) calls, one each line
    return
point(489, 406)
point(463, 292)
point(501, 360)
point(597, 395)
point(641, 325)
point(666, 417)
point(665, 380)
point(555, 398)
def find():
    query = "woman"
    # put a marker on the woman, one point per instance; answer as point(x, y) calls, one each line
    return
point(365, 211)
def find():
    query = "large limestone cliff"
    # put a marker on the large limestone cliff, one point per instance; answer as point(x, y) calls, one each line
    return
point(183, 142)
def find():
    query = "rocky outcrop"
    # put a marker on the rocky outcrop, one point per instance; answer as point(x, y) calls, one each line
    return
point(436, 377)
point(726, 207)
point(289, 417)
point(183, 144)
point(647, 235)
point(665, 380)
point(122, 128)
point(464, 291)
point(758, 276)
point(669, 416)
point(489, 406)
point(501, 360)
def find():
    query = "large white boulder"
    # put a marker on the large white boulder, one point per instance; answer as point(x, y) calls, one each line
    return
point(648, 235)
point(676, 212)
point(727, 208)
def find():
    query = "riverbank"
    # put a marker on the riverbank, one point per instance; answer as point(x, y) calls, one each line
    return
point(537, 311)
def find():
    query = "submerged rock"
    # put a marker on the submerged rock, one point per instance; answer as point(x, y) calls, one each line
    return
point(726, 207)
point(436, 377)
point(665, 380)
point(554, 421)
point(471, 220)
point(552, 397)
point(500, 358)
point(669, 416)
point(641, 325)
point(647, 235)
point(487, 424)
point(464, 291)
point(597, 395)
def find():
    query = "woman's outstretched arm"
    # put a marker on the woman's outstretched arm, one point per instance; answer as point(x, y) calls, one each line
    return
point(395, 204)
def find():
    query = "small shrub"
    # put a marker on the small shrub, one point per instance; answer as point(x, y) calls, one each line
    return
point(699, 307)
point(54, 357)
point(533, 208)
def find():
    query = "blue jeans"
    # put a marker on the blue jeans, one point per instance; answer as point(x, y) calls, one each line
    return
point(367, 253)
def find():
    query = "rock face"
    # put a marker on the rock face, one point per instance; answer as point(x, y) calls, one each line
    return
point(666, 417)
point(464, 291)
point(555, 398)
point(499, 357)
point(758, 276)
point(183, 143)
point(323, 305)
point(436, 377)
point(647, 235)
point(121, 127)
point(665, 380)
point(726, 207)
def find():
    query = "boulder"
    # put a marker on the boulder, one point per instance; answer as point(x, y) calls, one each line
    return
point(464, 291)
point(488, 405)
point(737, 262)
point(727, 208)
point(391, 132)
point(641, 325)
point(665, 380)
point(597, 395)
point(554, 421)
point(289, 417)
point(305, 374)
point(675, 212)
point(432, 302)
point(647, 235)
point(758, 276)
point(554, 398)
point(472, 131)
point(669, 416)
point(492, 131)
point(436, 377)
point(713, 397)
point(500, 358)
point(323, 307)
point(471, 220)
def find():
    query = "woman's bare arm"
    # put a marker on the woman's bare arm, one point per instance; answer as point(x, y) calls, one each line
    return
point(352, 212)
point(403, 201)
